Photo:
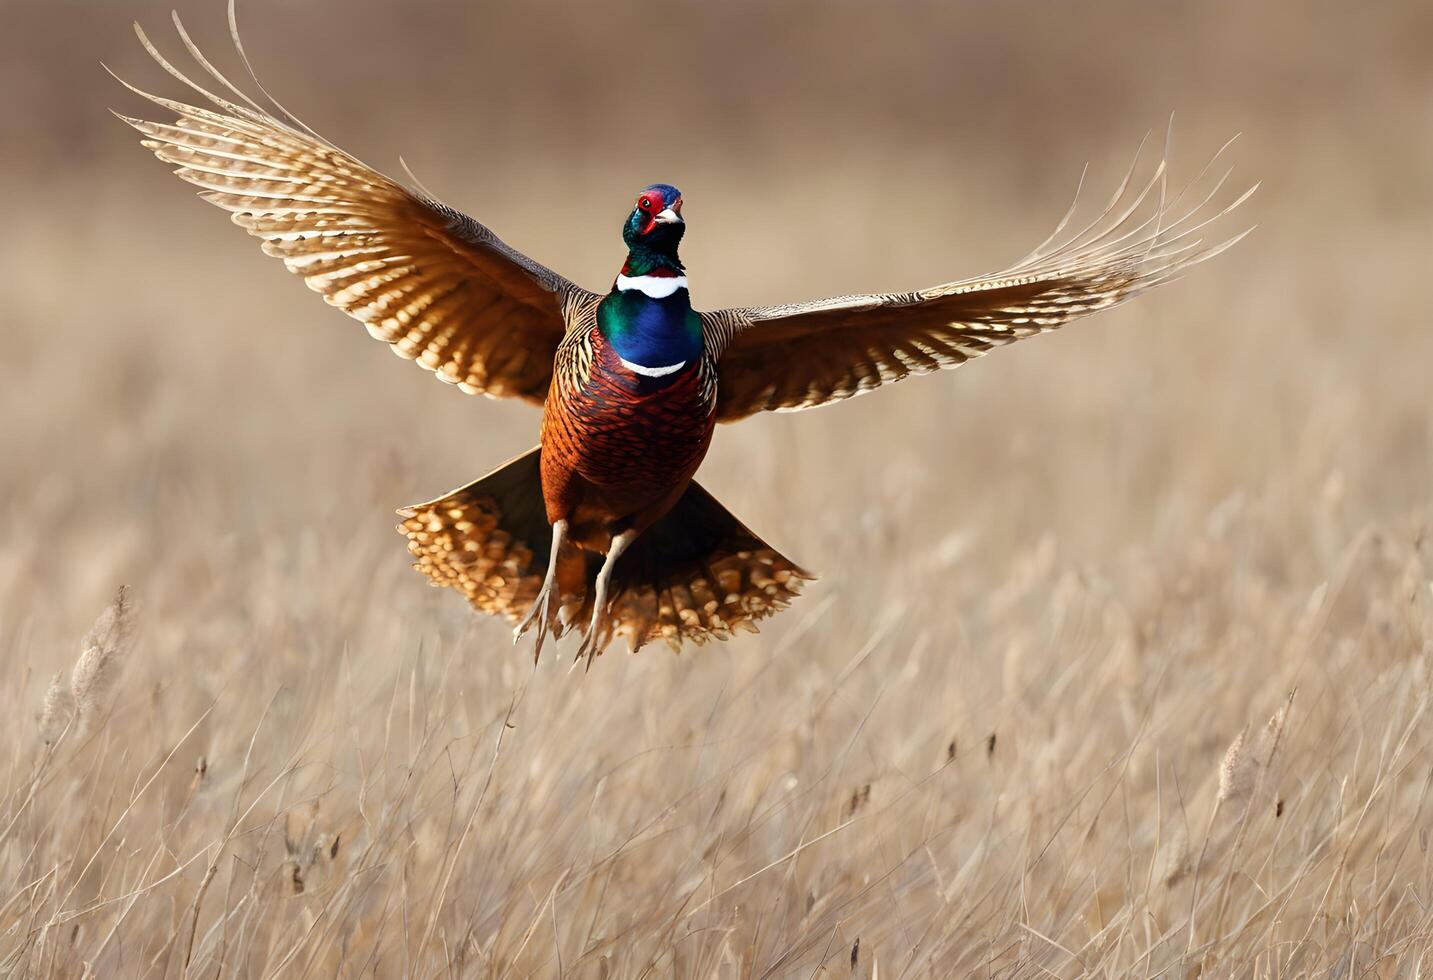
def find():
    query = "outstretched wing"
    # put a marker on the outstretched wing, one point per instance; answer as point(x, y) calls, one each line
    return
point(433, 283)
point(788, 358)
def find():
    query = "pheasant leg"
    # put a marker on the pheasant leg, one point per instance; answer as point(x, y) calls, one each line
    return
point(596, 631)
point(543, 611)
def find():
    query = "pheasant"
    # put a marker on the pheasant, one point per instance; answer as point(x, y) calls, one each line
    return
point(601, 528)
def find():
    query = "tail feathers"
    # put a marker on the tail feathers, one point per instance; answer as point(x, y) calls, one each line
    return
point(696, 574)
point(489, 540)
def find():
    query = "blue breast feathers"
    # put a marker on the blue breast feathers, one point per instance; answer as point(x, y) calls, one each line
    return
point(651, 335)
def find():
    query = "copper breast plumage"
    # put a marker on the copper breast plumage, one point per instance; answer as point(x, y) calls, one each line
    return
point(633, 436)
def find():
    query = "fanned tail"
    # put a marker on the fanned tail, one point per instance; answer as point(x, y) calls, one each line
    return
point(489, 540)
point(696, 574)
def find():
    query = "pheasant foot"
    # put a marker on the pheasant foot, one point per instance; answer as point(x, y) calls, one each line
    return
point(598, 629)
point(543, 613)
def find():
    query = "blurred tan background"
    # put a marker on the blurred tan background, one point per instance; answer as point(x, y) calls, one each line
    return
point(181, 415)
point(823, 148)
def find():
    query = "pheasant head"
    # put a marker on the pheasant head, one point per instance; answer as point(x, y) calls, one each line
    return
point(654, 230)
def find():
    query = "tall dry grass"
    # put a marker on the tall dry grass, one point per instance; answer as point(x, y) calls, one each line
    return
point(1119, 661)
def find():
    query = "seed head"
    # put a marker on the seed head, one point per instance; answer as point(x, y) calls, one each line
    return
point(101, 657)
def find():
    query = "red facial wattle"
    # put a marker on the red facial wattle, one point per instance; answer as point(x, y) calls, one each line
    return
point(651, 204)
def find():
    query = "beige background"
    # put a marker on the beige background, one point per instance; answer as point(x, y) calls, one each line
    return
point(1103, 542)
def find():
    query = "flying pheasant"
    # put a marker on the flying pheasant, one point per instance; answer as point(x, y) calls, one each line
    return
point(601, 526)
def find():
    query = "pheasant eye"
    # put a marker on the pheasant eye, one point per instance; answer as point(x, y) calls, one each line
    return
point(645, 204)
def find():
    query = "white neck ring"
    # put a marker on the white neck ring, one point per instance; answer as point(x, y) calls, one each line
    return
point(655, 287)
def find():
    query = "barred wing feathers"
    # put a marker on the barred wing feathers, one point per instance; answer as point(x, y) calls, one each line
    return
point(433, 283)
point(798, 356)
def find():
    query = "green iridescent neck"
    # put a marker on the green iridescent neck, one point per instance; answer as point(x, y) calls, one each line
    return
point(657, 249)
point(644, 262)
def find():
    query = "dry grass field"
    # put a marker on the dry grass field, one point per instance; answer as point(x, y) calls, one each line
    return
point(1119, 661)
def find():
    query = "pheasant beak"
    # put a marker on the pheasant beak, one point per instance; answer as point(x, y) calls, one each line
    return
point(671, 215)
